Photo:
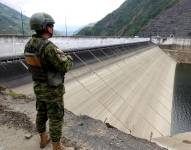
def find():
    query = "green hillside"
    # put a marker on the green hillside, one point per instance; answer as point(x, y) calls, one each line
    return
point(129, 18)
point(11, 23)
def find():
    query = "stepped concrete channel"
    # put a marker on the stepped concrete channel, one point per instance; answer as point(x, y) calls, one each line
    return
point(139, 89)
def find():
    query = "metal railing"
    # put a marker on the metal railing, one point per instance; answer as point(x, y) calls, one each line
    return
point(80, 51)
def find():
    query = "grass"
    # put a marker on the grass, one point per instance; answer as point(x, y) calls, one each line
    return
point(16, 95)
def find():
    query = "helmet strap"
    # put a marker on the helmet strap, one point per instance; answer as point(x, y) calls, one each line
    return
point(47, 33)
point(51, 33)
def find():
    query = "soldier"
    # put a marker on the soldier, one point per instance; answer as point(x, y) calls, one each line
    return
point(48, 66)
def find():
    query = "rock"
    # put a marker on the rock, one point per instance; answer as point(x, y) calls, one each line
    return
point(80, 124)
point(186, 141)
point(28, 136)
point(69, 148)
point(2, 148)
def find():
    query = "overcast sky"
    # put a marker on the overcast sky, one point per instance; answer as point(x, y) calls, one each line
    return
point(76, 12)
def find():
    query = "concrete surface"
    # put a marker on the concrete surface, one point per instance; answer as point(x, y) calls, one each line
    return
point(178, 142)
point(133, 94)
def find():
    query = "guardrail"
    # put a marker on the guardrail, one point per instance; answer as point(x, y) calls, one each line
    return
point(82, 51)
point(14, 45)
point(14, 67)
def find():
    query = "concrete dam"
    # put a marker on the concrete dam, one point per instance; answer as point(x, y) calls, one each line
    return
point(136, 87)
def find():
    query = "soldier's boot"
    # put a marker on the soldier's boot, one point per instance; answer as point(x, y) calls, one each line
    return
point(44, 140)
point(57, 146)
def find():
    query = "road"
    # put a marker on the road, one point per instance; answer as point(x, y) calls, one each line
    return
point(133, 93)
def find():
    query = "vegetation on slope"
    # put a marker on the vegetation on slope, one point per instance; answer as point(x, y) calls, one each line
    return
point(11, 22)
point(129, 18)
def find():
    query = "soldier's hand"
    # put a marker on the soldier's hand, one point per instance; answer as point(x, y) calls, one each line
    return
point(68, 62)
point(69, 57)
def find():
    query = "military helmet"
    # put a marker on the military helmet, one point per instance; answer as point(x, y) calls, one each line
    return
point(39, 21)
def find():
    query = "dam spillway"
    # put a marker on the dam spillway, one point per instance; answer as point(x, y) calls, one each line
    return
point(132, 87)
point(132, 92)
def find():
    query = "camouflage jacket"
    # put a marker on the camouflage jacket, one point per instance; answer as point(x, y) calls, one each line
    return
point(51, 58)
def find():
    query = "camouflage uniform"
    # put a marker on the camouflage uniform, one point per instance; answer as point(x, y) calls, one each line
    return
point(49, 99)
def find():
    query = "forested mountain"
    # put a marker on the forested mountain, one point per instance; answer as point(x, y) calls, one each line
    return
point(133, 17)
point(175, 21)
point(14, 22)
point(129, 19)
point(11, 21)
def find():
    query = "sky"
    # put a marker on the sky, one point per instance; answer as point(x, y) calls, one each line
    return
point(71, 12)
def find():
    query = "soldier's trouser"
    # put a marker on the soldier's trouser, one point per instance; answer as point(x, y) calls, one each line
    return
point(54, 111)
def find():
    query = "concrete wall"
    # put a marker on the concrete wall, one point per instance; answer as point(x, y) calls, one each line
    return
point(181, 112)
point(132, 92)
point(178, 49)
point(9, 71)
point(14, 45)
point(186, 42)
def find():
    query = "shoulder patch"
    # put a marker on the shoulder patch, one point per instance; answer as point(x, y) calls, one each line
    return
point(59, 50)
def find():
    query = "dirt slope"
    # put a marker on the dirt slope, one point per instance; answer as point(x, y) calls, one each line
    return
point(17, 117)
